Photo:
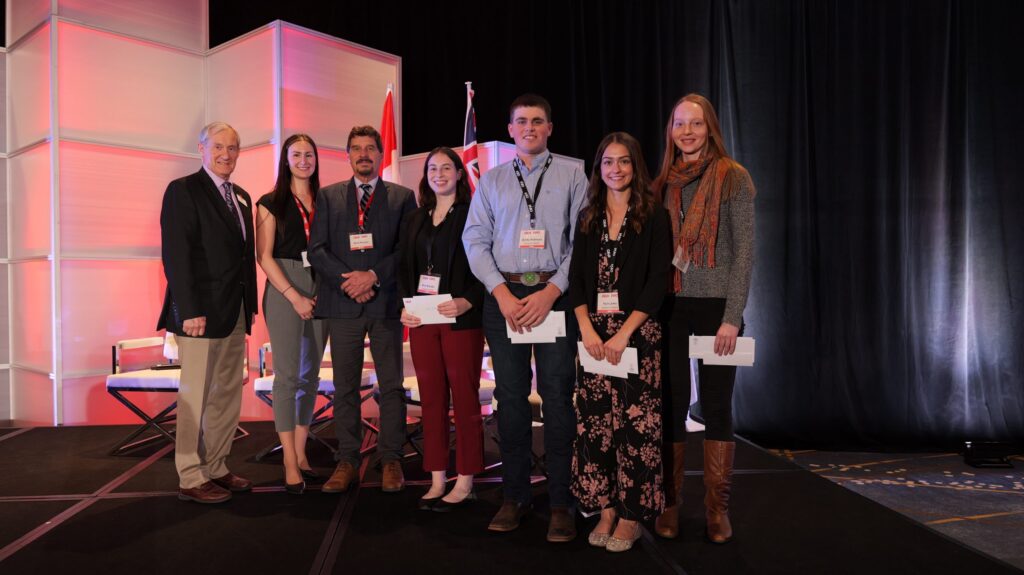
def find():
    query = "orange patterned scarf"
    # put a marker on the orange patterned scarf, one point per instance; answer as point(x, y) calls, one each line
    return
point(699, 228)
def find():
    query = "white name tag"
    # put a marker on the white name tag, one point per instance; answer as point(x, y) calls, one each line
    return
point(429, 284)
point(305, 259)
point(531, 239)
point(608, 302)
point(360, 241)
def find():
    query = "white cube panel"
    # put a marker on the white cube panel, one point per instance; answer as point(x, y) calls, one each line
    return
point(114, 216)
point(29, 93)
point(334, 166)
point(5, 394)
point(122, 91)
point(32, 328)
point(31, 397)
point(3, 107)
point(255, 171)
point(94, 298)
point(240, 82)
point(30, 202)
point(178, 23)
point(23, 15)
point(5, 320)
point(326, 78)
point(3, 210)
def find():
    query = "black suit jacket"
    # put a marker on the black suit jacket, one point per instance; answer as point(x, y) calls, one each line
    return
point(337, 216)
point(644, 261)
point(462, 282)
point(210, 269)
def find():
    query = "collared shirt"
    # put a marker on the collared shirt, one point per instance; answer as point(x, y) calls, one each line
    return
point(359, 189)
point(219, 183)
point(498, 213)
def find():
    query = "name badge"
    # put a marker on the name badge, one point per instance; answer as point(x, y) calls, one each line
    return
point(360, 242)
point(531, 239)
point(429, 284)
point(608, 302)
point(305, 259)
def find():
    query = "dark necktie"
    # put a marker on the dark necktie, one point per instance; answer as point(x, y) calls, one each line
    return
point(367, 194)
point(231, 205)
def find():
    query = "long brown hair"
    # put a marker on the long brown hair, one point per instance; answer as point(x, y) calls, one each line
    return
point(714, 146)
point(428, 198)
point(641, 200)
point(281, 195)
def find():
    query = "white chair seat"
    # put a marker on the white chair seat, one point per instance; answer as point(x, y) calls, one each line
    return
point(145, 379)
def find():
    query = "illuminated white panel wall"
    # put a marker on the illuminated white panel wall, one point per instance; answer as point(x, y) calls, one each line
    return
point(30, 204)
point(324, 77)
point(28, 95)
point(181, 23)
point(32, 396)
point(240, 79)
point(5, 343)
point(119, 90)
point(23, 16)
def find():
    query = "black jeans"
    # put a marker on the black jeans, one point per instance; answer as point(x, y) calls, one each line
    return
point(556, 382)
point(682, 317)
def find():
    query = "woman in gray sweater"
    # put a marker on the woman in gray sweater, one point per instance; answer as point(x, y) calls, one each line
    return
point(710, 199)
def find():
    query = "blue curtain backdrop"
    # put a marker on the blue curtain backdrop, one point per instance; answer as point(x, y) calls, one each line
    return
point(882, 136)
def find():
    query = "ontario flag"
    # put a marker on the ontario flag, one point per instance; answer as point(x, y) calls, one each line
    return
point(389, 166)
point(469, 141)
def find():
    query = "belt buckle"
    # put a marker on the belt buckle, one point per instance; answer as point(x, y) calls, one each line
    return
point(529, 279)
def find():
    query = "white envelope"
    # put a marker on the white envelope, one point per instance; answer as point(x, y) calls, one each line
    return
point(703, 347)
point(548, 331)
point(627, 365)
point(425, 308)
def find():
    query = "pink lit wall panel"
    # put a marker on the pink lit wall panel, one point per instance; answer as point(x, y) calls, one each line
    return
point(122, 91)
point(86, 402)
point(3, 107)
point(329, 86)
point(23, 15)
point(30, 202)
point(5, 394)
point(31, 398)
point(103, 302)
point(28, 95)
point(3, 210)
point(334, 166)
point(5, 319)
point(110, 199)
point(179, 23)
point(31, 317)
point(240, 84)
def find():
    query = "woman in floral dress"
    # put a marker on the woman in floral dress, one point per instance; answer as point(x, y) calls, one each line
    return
point(618, 277)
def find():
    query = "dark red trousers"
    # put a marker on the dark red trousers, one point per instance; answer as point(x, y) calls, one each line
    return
point(448, 366)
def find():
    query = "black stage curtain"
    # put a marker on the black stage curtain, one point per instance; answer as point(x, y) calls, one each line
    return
point(887, 293)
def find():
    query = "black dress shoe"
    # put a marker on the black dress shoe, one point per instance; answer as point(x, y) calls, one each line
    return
point(309, 474)
point(295, 488)
point(428, 503)
point(443, 506)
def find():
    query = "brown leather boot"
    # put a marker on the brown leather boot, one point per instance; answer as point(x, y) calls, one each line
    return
point(718, 458)
point(673, 463)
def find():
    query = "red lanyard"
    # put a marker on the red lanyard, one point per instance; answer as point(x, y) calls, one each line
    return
point(306, 219)
point(362, 212)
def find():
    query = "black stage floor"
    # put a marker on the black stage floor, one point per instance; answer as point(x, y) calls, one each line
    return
point(68, 506)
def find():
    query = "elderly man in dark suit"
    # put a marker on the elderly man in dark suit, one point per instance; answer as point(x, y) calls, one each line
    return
point(209, 260)
point(352, 246)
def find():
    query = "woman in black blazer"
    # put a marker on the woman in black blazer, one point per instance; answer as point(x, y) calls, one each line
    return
point(617, 281)
point(447, 357)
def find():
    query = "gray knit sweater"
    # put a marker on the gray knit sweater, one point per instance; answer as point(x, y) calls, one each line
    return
point(734, 249)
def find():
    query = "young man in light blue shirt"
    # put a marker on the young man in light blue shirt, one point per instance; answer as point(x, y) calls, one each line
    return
point(518, 238)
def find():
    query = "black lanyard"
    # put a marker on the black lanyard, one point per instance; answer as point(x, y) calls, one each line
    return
point(612, 250)
point(432, 234)
point(531, 203)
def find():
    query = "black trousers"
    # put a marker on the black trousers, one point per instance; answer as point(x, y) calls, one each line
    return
point(682, 317)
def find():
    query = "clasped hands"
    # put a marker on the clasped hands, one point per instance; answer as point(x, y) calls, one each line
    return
point(530, 311)
point(358, 285)
point(610, 350)
point(452, 308)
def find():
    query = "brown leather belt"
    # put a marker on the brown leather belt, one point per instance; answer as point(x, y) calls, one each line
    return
point(528, 278)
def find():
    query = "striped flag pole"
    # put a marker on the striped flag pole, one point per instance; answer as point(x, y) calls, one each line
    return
point(469, 141)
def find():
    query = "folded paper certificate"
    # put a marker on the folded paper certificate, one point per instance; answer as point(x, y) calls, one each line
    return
point(425, 308)
point(703, 347)
point(627, 365)
point(551, 328)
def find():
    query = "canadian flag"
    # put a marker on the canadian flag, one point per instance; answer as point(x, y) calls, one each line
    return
point(389, 166)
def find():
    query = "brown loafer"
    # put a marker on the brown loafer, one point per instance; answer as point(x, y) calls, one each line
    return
point(232, 483)
point(392, 479)
point(507, 518)
point(344, 476)
point(205, 493)
point(562, 528)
